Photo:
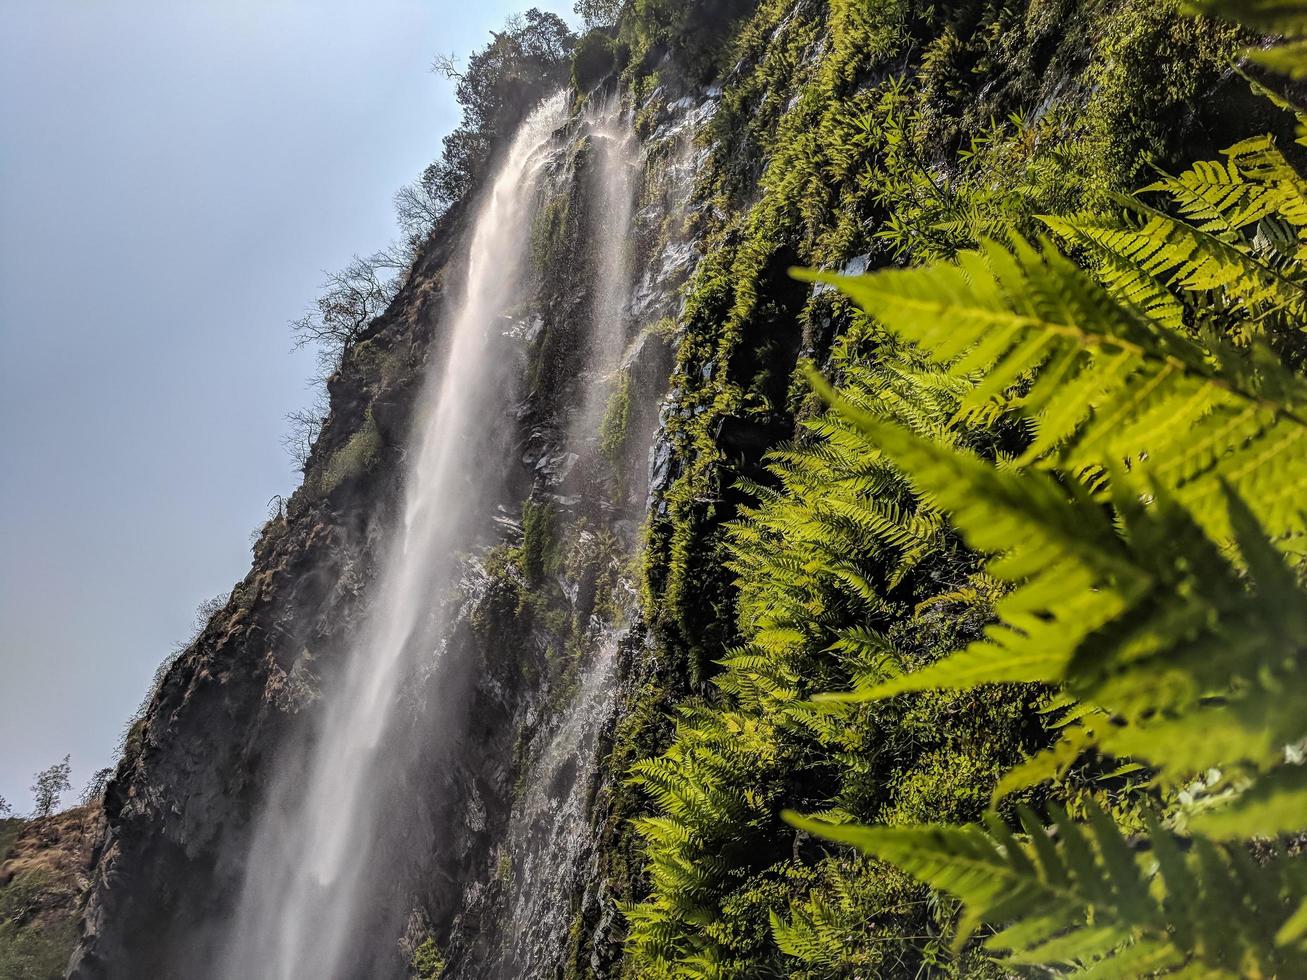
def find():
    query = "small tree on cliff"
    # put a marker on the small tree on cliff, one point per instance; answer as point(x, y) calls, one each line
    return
point(351, 299)
point(419, 205)
point(5, 808)
point(50, 786)
point(499, 85)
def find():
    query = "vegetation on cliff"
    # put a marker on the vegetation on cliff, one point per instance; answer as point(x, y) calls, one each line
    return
point(44, 867)
point(1128, 451)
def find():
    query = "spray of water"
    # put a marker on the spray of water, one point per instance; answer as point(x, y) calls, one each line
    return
point(312, 874)
point(549, 838)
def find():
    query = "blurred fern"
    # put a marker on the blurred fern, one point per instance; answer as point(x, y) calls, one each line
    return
point(1286, 19)
point(1151, 536)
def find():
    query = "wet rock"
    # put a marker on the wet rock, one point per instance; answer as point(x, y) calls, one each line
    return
point(554, 469)
point(855, 266)
point(743, 437)
point(661, 473)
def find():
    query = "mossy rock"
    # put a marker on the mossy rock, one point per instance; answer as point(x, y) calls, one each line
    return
point(353, 459)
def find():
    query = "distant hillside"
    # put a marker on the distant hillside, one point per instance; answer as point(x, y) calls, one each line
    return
point(45, 868)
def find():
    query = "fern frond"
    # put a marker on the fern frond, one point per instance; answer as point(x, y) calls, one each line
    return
point(1087, 899)
point(1190, 258)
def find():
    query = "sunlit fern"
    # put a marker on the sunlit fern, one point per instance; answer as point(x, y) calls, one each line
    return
point(1151, 534)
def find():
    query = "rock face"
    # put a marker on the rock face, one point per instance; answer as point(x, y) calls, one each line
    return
point(714, 329)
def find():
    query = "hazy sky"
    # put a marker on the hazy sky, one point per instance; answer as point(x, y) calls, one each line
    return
point(174, 179)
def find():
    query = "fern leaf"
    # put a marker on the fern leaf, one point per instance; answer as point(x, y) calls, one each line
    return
point(1086, 899)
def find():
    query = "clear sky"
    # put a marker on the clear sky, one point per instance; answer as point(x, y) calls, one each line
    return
point(174, 179)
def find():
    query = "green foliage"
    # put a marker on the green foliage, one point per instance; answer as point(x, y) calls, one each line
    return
point(906, 132)
point(539, 551)
point(1284, 18)
point(498, 86)
point(1233, 250)
point(35, 954)
point(835, 552)
point(49, 786)
point(33, 946)
point(428, 962)
point(10, 828)
point(598, 13)
point(695, 32)
point(1187, 554)
point(23, 896)
point(852, 154)
point(1149, 535)
point(1085, 895)
point(595, 59)
point(615, 426)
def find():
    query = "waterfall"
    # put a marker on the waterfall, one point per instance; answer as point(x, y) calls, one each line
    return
point(548, 837)
point(613, 187)
point(312, 881)
point(341, 864)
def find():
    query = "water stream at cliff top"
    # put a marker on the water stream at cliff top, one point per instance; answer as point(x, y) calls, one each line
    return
point(310, 874)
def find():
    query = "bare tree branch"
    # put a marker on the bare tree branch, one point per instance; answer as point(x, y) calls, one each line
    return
point(447, 65)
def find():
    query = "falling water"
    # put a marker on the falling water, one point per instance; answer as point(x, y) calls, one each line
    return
point(312, 873)
point(616, 159)
point(547, 841)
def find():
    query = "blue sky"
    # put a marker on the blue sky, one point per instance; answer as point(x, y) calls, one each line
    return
point(174, 180)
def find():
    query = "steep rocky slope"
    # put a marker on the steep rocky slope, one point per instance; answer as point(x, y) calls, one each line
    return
point(839, 134)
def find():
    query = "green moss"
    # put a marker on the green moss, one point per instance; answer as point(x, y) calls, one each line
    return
point(614, 428)
point(353, 459)
point(539, 550)
point(559, 247)
point(1154, 68)
point(380, 364)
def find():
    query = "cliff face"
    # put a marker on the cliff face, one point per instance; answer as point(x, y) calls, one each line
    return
point(838, 134)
